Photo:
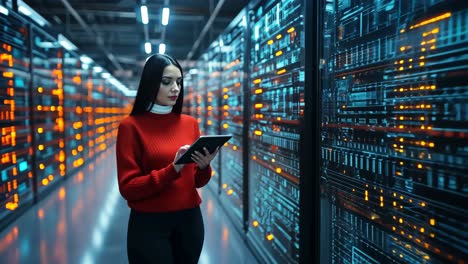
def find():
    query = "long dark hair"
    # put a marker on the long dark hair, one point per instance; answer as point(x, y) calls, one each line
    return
point(150, 82)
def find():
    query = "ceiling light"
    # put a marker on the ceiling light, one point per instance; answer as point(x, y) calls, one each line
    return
point(85, 59)
point(64, 42)
point(144, 14)
point(165, 16)
point(105, 75)
point(3, 10)
point(162, 48)
point(148, 48)
point(28, 11)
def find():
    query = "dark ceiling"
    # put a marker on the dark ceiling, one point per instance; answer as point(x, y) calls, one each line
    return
point(110, 32)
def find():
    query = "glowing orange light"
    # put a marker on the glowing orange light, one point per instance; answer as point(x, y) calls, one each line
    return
point(8, 74)
point(281, 71)
point(40, 213)
point(45, 181)
point(432, 20)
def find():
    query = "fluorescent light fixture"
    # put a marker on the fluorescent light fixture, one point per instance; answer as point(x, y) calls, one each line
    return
point(3, 10)
point(144, 14)
point(24, 10)
point(162, 48)
point(105, 75)
point(86, 59)
point(165, 16)
point(64, 42)
point(28, 11)
point(148, 48)
point(97, 69)
point(221, 43)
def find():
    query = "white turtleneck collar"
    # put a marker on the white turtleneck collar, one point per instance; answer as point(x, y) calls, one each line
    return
point(161, 109)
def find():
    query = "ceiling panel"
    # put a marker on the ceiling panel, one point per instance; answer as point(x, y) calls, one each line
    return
point(114, 26)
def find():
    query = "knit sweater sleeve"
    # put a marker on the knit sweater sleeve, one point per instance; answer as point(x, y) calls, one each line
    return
point(202, 176)
point(134, 185)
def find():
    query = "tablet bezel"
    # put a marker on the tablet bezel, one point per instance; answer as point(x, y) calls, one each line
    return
point(208, 141)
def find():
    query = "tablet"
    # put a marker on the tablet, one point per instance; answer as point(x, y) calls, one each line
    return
point(211, 142)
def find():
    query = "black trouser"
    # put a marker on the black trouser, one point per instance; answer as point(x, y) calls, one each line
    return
point(169, 237)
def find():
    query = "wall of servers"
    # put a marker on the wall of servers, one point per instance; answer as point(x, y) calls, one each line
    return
point(254, 91)
point(56, 113)
point(392, 114)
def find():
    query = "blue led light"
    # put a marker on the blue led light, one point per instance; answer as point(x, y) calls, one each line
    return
point(23, 166)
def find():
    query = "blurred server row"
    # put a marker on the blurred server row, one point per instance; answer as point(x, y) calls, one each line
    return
point(56, 113)
point(250, 83)
point(385, 90)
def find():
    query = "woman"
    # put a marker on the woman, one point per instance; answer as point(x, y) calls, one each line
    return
point(165, 225)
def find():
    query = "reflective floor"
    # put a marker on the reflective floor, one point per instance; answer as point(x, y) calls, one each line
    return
point(85, 221)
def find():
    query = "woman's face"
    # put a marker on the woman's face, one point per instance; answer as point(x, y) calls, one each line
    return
point(170, 86)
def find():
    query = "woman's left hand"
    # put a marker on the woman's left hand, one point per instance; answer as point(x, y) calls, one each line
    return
point(203, 160)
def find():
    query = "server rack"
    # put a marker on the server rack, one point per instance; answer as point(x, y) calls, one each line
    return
point(75, 94)
point(16, 185)
point(212, 82)
point(46, 94)
point(277, 102)
point(394, 114)
point(232, 48)
point(47, 115)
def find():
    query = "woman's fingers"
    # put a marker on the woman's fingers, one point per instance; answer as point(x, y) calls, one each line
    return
point(204, 160)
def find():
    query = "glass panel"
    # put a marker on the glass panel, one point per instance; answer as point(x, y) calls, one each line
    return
point(232, 47)
point(276, 94)
point(394, 118)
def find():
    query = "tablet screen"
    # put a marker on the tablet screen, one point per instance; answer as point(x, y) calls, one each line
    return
point(211, 142)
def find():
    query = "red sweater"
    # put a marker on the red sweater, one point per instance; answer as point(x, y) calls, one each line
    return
point(146, 147)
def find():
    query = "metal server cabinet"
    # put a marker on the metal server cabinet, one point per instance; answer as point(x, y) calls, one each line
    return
point(86, 108)
point(16, 183)
point(75, 96)
point(212, 83)
point(206, 90)
point(232, 48)
point(394, 127)
point(277, 103)
point(48, 113)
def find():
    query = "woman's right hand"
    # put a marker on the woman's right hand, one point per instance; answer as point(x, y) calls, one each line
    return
point(179, 153)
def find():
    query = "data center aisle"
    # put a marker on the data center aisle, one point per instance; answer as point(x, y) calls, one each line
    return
point(85, 221)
